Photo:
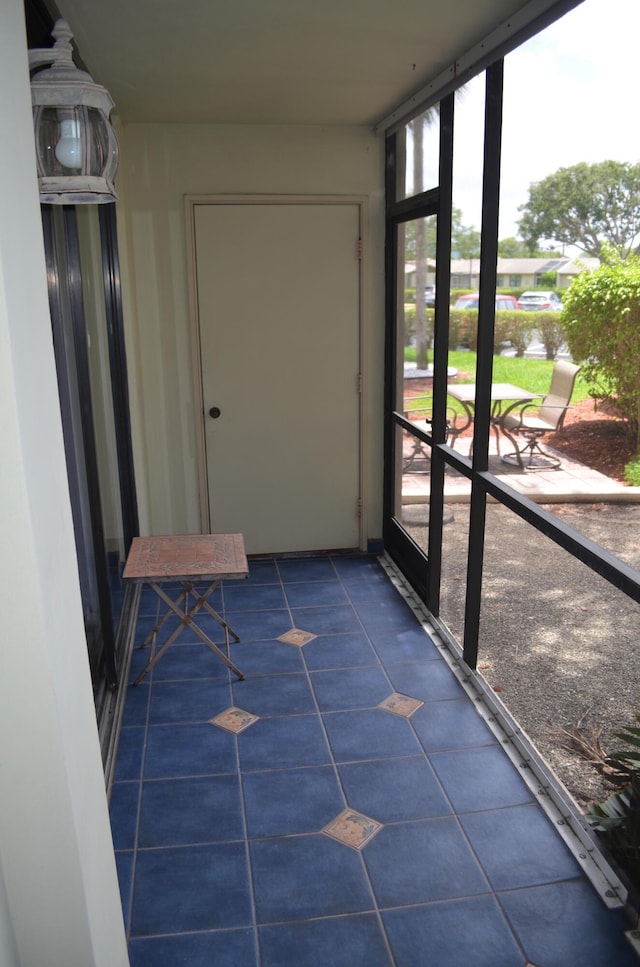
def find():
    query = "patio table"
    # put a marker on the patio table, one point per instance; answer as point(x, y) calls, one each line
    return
point(187, 560)
point(501, 393)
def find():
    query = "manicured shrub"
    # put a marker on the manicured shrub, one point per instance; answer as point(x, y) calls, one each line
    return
point(511, 326)
point(550, 328)
point(617, 819)
point(632, 471)
point(601, 318)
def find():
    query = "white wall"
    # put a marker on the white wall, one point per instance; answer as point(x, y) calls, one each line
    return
point(161, 164)
point(59, 903)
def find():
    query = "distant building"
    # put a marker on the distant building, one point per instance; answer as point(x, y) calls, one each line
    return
point(511, 273)
point(568, 271)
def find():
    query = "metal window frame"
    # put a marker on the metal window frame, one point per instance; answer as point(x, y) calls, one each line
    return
point(89, 453)
point(523, 24)
point(422, 570)
point(118, 367)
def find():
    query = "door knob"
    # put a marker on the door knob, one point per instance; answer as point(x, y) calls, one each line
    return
point(214, 412)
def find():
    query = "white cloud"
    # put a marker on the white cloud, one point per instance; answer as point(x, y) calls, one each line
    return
point(570, 96)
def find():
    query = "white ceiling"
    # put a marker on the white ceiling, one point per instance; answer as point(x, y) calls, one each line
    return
point(273, 61)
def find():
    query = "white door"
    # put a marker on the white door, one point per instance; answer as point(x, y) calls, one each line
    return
point(278, 307)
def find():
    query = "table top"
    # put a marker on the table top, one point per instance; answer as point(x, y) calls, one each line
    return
point(185, 557)
point(466, 392)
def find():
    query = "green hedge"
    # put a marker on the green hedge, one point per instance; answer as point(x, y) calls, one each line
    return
point(512, 326)
point(454, 295)
point(602, 319)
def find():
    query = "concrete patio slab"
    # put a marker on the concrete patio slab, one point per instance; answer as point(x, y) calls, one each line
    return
point(572, 482)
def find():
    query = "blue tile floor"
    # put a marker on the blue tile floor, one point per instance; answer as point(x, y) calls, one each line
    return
point(362, 814)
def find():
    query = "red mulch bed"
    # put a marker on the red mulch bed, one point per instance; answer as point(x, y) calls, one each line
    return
point(597, 438)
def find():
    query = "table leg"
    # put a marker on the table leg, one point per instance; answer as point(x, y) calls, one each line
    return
point(154, 631)
point(468, 410)
point(157, 655)
point(516, 450)
point(214, 648)
point(186, 616)
point(228, 630)
point(496, 429)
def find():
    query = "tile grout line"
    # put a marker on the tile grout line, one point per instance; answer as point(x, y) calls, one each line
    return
point(334, 766)
point(247, 851)
point(134, 865)
point(243, 808)
point(417, 607)
point(557, 805)
point(454, 812)
point(485, 713)
point(365, 870)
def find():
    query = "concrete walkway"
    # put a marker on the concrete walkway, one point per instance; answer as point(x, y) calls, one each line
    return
point(572, 482)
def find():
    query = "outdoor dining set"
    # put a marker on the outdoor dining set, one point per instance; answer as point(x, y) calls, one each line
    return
point(521, 416)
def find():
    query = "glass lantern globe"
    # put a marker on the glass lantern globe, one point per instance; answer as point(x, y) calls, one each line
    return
point(76, 147)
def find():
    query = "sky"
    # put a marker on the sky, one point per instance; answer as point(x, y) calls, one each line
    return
point(571, 94)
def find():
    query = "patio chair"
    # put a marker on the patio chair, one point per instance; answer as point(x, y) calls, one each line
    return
point(531, 428)
point(423, 415)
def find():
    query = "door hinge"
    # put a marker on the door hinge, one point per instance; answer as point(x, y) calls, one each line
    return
point(359, 383)
point(359, 249)
point(359, 507)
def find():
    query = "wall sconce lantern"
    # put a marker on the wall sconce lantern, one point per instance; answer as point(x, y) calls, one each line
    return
point(76, 147)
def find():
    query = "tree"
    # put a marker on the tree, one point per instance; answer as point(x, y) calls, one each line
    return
point(465, 239)
point(587, 206)
point(420, 245)
point(420, 239)
point(515, 248)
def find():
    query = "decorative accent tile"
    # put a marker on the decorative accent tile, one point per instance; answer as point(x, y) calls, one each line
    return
point(234, 719)
point(297, 637)
point(352, 829)
point(400, 705)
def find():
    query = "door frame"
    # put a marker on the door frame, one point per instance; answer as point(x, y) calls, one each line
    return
point(190, 203)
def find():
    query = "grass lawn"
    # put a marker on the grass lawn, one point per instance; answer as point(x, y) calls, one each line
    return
point(531, 374)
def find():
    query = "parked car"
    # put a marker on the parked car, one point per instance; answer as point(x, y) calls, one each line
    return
point(538, 301)
point(470, 301)
point(430, 295)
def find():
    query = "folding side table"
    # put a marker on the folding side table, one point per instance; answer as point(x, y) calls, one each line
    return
point(187, 559)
